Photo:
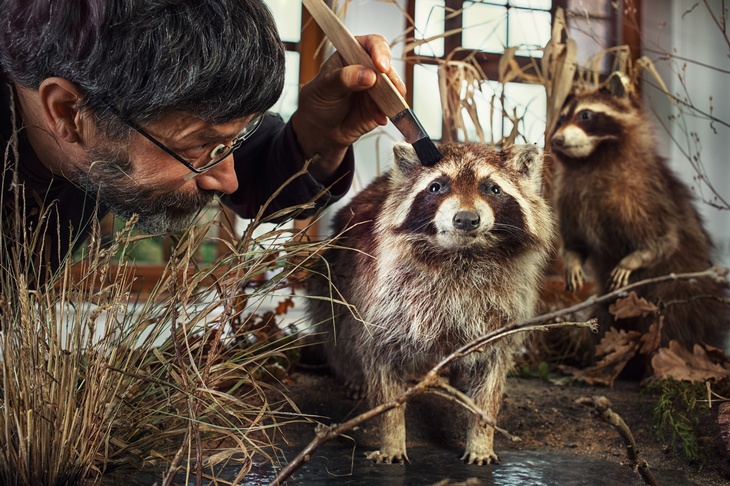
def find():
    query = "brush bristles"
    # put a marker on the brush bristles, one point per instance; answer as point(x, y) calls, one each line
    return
point(427, 152)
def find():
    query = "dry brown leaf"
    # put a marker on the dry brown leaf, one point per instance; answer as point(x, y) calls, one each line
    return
point(559, 64)
point(619, 347)
point(592, 376)
point(652, 338)
point(283, 306)
point(680, 364)
point(616, 341)
point(632, 306)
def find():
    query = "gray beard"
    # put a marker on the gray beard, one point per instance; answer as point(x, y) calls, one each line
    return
point(109, 180)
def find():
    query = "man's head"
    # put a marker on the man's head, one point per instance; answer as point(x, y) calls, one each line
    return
point(158, 63)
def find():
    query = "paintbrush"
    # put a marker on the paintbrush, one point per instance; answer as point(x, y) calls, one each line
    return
point(384, 92)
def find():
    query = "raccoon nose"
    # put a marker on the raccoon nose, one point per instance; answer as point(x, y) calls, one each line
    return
point(466, 221)
point(557, 141)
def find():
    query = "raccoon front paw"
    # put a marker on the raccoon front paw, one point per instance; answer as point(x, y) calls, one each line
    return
point(574, 278)
point(481, 458)
point(619, 278)
point(388, 457)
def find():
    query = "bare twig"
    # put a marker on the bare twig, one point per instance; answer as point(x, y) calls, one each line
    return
point(324, 433)
point(602, 410)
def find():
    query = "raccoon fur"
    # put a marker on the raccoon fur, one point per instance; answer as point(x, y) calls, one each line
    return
point(431, 258)
point(627, 216)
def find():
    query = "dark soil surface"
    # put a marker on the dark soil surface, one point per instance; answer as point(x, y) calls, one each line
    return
point(562, 443)
point(544, 415)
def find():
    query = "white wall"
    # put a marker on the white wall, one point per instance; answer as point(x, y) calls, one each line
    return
point(698, 70)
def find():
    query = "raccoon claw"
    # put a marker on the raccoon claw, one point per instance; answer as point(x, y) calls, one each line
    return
point(379, 457)
point(619, 278)
point(480, 459)
point(574, 280)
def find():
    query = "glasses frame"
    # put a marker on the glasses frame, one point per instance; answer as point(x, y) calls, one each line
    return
point(242, 136)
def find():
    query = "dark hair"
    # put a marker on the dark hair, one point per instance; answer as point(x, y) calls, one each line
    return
point(217, 59)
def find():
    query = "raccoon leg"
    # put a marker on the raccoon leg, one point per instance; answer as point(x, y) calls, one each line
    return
point(484, 384)
point(383, 387)
point(642, 258)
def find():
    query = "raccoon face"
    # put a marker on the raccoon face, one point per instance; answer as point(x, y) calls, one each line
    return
point(474, 197)
point(589, 119)
point(582, 127)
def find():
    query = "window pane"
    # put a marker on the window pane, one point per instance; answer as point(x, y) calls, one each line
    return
point(591, 36)
point(429, 22)
point(530, 103)
point(529, 28)
point(426, 99)
point(484, 27)
point(289, 99)
point(532, 4)
point(593, 8)
point(288, 17)
point(488, 100)
point(526, 102)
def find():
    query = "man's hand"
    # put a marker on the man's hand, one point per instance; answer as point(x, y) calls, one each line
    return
point(334, 109)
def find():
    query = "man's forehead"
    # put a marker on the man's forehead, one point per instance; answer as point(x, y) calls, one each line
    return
point(179, 126)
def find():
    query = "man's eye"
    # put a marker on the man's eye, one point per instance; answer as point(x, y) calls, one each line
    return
point(218, 151)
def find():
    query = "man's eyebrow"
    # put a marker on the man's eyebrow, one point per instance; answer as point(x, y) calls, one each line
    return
point(205, 135)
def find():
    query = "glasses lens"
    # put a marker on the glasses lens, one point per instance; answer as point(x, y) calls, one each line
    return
point(222, 151)
point(249, 129)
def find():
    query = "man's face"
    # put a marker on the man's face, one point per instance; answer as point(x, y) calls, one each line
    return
point(140, 178)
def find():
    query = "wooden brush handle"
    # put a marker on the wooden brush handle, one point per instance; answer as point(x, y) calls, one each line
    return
point(384, 92)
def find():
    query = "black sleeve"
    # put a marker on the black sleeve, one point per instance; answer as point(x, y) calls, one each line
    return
point(267, 160)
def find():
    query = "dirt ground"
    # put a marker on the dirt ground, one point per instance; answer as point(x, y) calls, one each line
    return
point(544, 415)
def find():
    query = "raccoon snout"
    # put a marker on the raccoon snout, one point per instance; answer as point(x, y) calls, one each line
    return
point(557, 141)
point(466, 221)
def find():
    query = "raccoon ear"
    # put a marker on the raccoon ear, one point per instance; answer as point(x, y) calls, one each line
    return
point(527, 160)
point(617, 85)
point(405, 158)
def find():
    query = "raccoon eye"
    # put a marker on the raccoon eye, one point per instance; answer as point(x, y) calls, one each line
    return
point(585, 115)
point(491, 189)
point(435, 187)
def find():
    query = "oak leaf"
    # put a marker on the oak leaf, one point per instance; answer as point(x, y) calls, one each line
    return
point(651, 339)
point(617, 348)
point(680, 364)
point(631, 306)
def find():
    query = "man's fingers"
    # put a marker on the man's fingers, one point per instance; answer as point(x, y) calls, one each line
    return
point(379, 50)
point(380, 53)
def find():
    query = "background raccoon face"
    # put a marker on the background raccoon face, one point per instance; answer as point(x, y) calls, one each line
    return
point(583, 126)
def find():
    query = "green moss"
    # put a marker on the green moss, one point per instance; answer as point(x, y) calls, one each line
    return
point(678, 413)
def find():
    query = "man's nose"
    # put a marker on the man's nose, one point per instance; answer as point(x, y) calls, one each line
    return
point(221, 178)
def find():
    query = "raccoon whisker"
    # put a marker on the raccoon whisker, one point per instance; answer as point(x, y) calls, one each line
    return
point(510, 228)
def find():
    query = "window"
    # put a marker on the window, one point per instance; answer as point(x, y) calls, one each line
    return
point(458, 48)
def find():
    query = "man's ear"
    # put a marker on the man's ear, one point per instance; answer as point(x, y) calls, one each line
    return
point(60, 99)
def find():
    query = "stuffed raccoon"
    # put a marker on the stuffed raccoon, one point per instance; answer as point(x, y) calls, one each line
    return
point(427, 260)
point(625, 215)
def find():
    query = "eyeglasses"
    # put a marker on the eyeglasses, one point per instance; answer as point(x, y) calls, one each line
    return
point(217, 155)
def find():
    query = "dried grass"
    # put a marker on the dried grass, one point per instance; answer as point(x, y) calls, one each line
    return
point(96, 377)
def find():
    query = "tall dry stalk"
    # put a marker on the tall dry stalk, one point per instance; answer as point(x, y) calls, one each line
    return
point(95, 375)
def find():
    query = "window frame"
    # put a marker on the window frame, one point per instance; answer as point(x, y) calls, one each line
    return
point(624, 28)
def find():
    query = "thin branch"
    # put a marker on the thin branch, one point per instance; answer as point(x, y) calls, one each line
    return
point(602, 411)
